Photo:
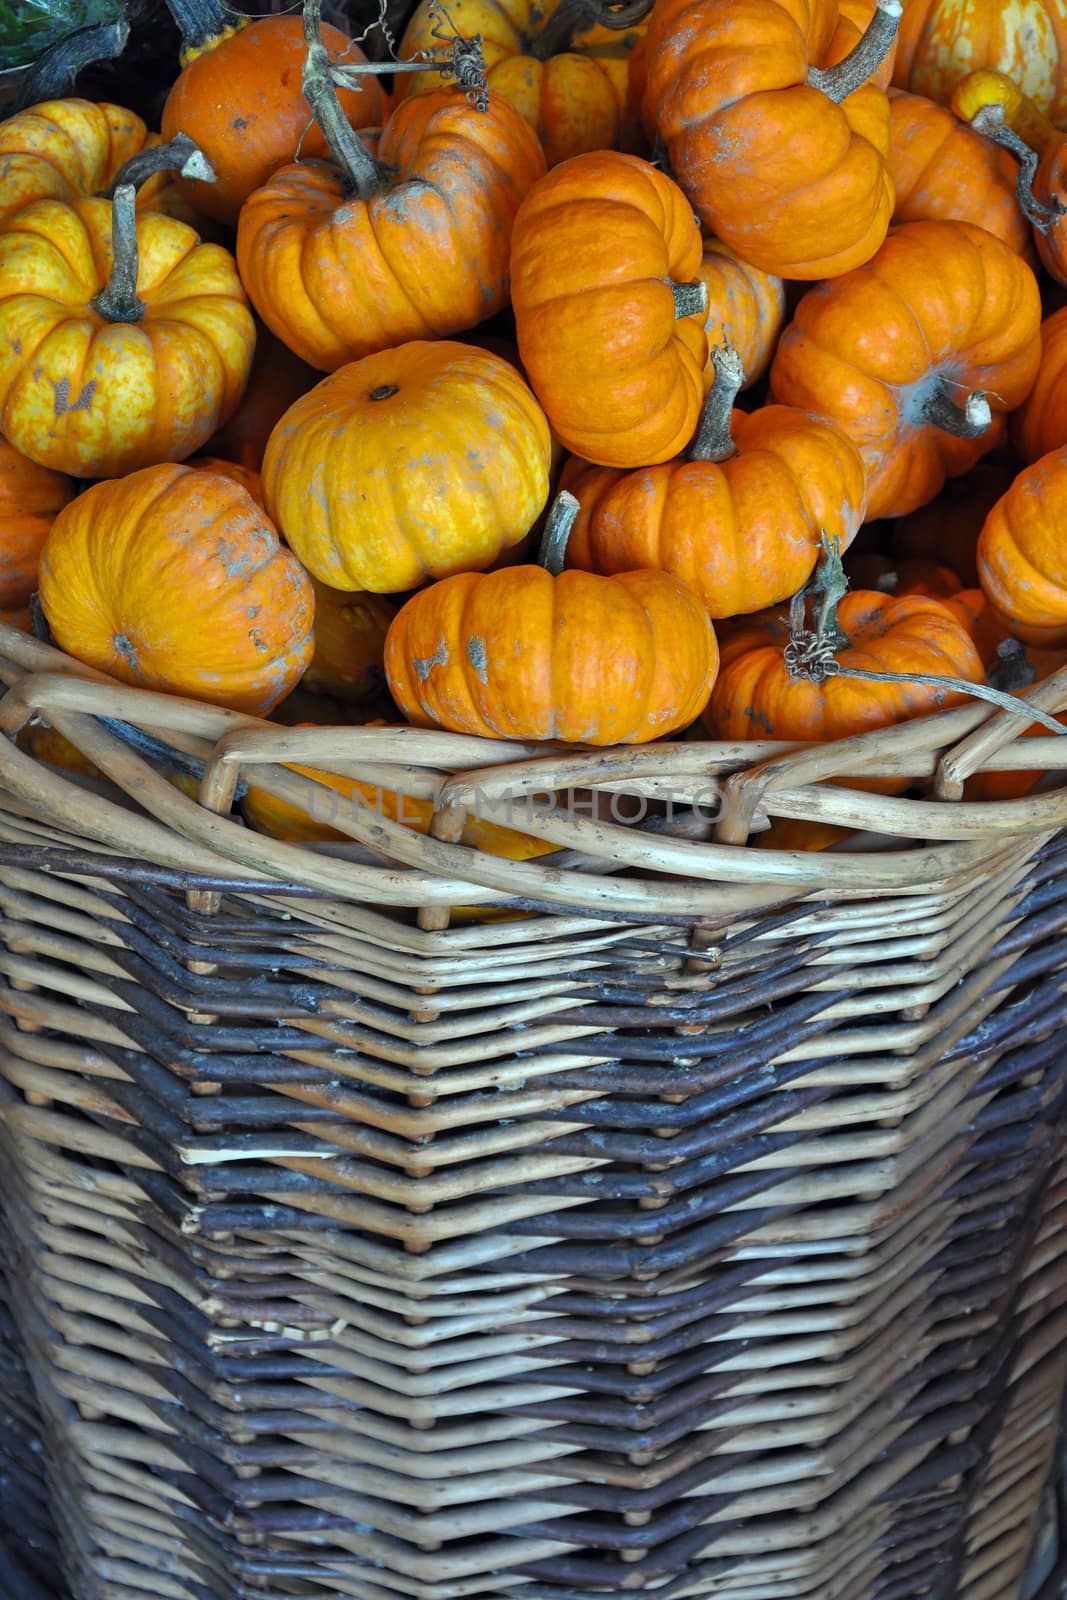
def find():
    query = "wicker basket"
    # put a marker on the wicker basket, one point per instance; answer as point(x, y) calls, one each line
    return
point(693, 1223)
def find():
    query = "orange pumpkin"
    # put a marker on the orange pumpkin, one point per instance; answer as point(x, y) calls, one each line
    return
point(350, 632)
point(780, 145)
point(111, 359)
point(526, 653)
point(449, 449)
point(746, 309)
point(1040, 424)
point(239, 98)
point(756, 697)
point(740, 518)
point(247, 477)
point(942, 169)
point(995, 106)
point(940, 41)
point(30, 497)
point(173, 579)
point(341, 262)
point(567, 77)
point(610, 325)
point(946, 529)
point(972, 608)
point(1022, 556)
point(957, 344)
point(278, 377)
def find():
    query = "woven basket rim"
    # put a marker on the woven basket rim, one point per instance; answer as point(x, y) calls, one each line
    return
point(592, 869)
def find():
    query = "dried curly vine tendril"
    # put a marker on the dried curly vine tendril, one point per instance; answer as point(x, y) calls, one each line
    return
point(1041, 214)
point(811, 652)
point(464, 61)
point(864, 59)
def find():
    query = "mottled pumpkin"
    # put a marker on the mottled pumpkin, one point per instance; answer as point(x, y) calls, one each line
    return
point(30, 497)
point(94, 382)
point(615, 356)
point(65, 150)
point(175, 580)
point(940, 41)
point(341, 266)
point(746, 95)
point(450, 452)
point(239, 98)
point(756, 698)
point(917, 356)
point(1022, 555)
point(570, 83)
point(1040, 424)
point(518, 654)
point(247, 477)
point(942, 169)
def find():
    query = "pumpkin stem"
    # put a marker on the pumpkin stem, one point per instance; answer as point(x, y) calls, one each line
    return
point(575, 16)
point(118, 300)
point(178, 155)
point(713, 441)
point(990, 122)
point(53, 73)
point(364, 176)
point(865, 57)
point(464, 61)
point(553, 551)
point(968, 421)
point(1013, 668)
point(202, 24)
point(690, 299)
point(811, 652)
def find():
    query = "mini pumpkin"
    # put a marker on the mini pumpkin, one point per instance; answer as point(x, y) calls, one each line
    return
point(940, 41)
point(1022, 557)
point(30, 498)
point(278, 377)
point(175, 580)
point(350, 631)
point(247, 477)
point(995, 106)
point(740, 518)
point(530, 653)
point(778, 141)
point(1040, 424)
point(609, 319)
point(758, 697)
point(942, 169)
point(564, 66)
point(746, 309)
point(344, 258)
point(450, 452)
point(958, 318)
point(64, 150)
point(239, 98)
point(123, 341)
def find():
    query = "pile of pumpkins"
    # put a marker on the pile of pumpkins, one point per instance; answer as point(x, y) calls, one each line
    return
point(689, 298)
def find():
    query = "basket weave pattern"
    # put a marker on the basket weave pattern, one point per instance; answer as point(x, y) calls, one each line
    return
point(699, 1231)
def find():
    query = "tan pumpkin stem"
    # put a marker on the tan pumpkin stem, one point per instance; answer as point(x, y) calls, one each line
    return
point(574, 16)
point(812, 652)
point(1043, 215)
point(713, 440)
point(968, 421)
point(553, 552)
point(178, 155)
point(864, 59)
point(118, 300)
point(690, 299)
point(364, 176)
